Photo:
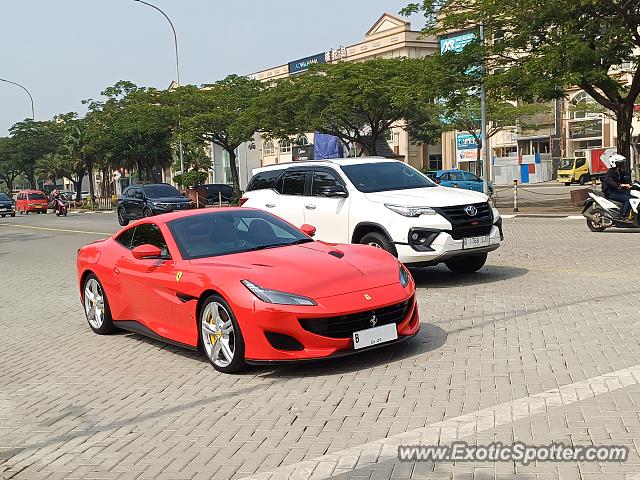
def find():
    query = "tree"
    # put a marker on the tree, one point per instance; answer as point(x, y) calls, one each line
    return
point(356, 102)
point(224, 113)
point(130, 129)
point(539, 49)
point(49, 167)
point(463, 113)
point(195, 158)
point(9, 165)
point(31, 141)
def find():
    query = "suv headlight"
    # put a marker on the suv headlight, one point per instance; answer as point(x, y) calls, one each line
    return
point(411, 211)
point(276, 297)
point(404, 276)
point(161, 205)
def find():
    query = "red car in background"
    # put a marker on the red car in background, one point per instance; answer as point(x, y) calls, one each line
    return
point(246, 287)
point(31, 201)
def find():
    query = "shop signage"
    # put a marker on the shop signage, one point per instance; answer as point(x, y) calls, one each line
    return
point(466, 141)
point(585, 129)
point(303, 64)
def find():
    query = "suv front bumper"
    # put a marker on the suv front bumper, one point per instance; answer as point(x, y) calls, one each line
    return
point(444, 247)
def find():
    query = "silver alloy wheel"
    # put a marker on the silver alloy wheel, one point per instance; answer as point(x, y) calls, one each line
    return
point(94, 303)
point(121, 215)
point(374, 244)
point(218, 334)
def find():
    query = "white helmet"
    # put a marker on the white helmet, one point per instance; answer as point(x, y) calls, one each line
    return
point(615, 159)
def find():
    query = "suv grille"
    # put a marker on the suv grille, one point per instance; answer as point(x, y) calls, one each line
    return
point(465, 225)
point(344, 325)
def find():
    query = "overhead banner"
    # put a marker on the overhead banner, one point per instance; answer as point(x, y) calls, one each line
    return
point(303, 64)
point(456, 42)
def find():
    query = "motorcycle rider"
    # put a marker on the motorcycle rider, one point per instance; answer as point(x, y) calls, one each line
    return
point(613, 186)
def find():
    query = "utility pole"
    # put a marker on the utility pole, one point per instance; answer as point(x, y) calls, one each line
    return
point(483, 103)
point(175, 45)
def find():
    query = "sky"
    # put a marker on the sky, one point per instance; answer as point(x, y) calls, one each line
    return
point(64, 51)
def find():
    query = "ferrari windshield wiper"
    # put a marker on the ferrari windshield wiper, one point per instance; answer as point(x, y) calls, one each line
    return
point(276, 245)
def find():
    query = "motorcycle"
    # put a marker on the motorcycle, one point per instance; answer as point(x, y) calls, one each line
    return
point(60, 207)
point(602, 213)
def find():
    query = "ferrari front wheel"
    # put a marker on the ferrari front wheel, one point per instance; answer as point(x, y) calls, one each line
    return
point(220, 335)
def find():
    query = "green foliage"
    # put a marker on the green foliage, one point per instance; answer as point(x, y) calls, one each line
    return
point(31, 141)
point(130, 128)
point(10, 166)
point(538, 49)
point(356, 102)
point(193, 178)
point(195, 157)
point(224, 113)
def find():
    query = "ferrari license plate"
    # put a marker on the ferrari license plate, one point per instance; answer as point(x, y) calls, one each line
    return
point(476, 242)
point(374, 336)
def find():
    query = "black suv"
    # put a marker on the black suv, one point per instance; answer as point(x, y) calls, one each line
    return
point(216, 193)
point(139, 201)
point(6, 206)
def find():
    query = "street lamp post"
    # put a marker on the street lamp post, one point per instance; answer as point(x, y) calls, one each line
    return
point(175, 45)
point(33, 111)
point(483, 102)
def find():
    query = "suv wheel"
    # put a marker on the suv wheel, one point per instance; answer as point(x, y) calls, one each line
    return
point(467, 263)
point(122, 218)
point(379, 240)
point(147, 212)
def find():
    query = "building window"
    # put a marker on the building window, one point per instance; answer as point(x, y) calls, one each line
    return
point(581, 105)
point(435, 162)
point(285, 146)
point(302, 141)
point(269, 148)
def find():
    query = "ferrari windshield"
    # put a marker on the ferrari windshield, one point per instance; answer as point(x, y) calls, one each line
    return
point(384, 176)
point(233, 231)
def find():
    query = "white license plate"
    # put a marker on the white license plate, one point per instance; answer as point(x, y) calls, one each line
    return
point(476, 242)
point(375, 336)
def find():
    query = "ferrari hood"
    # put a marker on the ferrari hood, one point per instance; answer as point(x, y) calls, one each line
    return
point(428, 197)
point(315, 270)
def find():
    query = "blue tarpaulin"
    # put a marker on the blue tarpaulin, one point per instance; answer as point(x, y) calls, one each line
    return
point(327, 146)
point(524, 170)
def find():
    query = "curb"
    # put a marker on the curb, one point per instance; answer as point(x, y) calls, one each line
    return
point(543, 215)
point(90, 212)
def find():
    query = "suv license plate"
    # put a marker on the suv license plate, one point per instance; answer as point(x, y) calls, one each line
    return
point(476, 242)
point(374, 336)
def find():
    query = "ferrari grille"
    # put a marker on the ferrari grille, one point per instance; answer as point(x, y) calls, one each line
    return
point(344, 325)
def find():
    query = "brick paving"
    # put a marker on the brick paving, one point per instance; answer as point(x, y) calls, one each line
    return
point(555, 306)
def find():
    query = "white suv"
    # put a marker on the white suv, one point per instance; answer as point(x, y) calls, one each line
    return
point(384, 203)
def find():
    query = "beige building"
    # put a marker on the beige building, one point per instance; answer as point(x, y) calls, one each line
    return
point(389, 37)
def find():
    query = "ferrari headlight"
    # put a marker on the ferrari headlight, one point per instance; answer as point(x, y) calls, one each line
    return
point(404, 276)
point(411, 211)
point(276, 297)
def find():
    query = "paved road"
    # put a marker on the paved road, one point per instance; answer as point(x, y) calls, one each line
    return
point(543, 345)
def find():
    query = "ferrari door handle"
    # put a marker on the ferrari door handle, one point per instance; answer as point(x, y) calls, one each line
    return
point(310, 207)
point(269, 205)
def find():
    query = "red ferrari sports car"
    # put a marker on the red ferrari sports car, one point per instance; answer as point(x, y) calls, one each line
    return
point(246, 287)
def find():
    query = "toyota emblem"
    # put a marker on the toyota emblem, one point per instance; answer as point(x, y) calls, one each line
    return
point(471, 210)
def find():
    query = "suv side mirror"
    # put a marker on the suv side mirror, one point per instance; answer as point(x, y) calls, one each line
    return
point(146, 252)
point(336, 190)
point(308, 229)
point(139, 195)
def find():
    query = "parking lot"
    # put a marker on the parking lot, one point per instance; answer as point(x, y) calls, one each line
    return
point(542, 346)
